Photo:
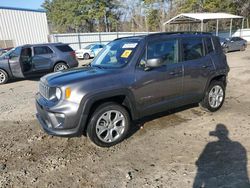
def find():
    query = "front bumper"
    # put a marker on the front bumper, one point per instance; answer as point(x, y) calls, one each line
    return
point(59, 120)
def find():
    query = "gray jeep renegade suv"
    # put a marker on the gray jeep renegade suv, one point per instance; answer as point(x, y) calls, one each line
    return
point(132, 78)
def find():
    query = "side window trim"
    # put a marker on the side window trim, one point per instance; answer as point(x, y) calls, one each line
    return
point(206, 43)
point(216, 45)
point(212, 41)
point(51, 50)
point(203, 47)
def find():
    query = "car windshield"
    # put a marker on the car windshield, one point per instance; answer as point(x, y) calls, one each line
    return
point(8, 53)
point(89, 46)
point(117, 53)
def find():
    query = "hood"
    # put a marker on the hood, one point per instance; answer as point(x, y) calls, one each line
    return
point(73, 75)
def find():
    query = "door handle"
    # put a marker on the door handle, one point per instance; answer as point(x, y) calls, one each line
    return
point(205, 66)
point(172, 73)
point(175, 72)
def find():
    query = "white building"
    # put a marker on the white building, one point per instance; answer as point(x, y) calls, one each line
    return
point(22, 26)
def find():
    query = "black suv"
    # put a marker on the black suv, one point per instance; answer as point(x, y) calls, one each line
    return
point(132, 78)
point(36, 59)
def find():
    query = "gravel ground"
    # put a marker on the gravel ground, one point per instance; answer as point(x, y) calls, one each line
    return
point(179, 150)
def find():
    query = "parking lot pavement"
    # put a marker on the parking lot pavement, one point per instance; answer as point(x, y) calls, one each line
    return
point(177, 150)
point(84, 62)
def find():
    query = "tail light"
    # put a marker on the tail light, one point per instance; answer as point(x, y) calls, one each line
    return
point(73, 54)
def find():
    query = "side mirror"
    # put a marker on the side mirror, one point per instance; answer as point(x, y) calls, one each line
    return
point(156, 62)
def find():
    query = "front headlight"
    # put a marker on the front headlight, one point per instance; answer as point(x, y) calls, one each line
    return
point(58, 93)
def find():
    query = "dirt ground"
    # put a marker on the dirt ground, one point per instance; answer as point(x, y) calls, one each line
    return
point(178, 150)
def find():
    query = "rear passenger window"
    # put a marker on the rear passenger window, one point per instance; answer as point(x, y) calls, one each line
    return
point(209, 44)
point(192, 48)
point(64, 48)
point(40, 50)
point(168, 50)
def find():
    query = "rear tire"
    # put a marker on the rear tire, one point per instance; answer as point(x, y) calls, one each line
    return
point(60, 67)
point(214, 96)
point(109, 124)
point(243, 48)
point(86, 56)
point(3, 77)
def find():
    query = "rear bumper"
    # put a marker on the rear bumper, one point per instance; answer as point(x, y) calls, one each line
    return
point(58, 122)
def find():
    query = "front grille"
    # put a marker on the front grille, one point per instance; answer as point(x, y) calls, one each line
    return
point(44, 90)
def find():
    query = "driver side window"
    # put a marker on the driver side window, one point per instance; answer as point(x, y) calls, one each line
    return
point(167, 50)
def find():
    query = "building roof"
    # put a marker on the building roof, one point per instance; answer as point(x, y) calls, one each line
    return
point(198, 17)
point(22, 9)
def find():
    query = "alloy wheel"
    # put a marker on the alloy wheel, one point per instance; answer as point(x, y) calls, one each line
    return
point(60, 67)
point(110, 126)
point(2, 77)
point(216, 96)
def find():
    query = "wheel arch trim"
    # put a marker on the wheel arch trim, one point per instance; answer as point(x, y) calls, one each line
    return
point(89, 100)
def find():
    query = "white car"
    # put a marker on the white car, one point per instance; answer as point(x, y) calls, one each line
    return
point(89, 51)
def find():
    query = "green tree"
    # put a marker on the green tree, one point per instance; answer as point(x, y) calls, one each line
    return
point(153, 20)
point(82, 15)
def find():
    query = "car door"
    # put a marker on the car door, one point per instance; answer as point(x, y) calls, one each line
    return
point(158, 89)
point(14, 63)
point(239, 43)
point(197, 68)
point(42, 58)
point(233, 44)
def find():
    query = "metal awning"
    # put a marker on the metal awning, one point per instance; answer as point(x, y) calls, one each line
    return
point(198, 17)
point(186, 18)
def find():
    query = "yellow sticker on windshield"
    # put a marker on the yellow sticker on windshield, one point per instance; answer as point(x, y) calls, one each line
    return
point(126, 53)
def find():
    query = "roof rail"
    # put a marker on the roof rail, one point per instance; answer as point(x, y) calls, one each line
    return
point(182, 32)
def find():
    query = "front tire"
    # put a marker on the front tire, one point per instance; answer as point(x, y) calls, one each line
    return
point(214, 97)
point(3, 77)
point(108, 125)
